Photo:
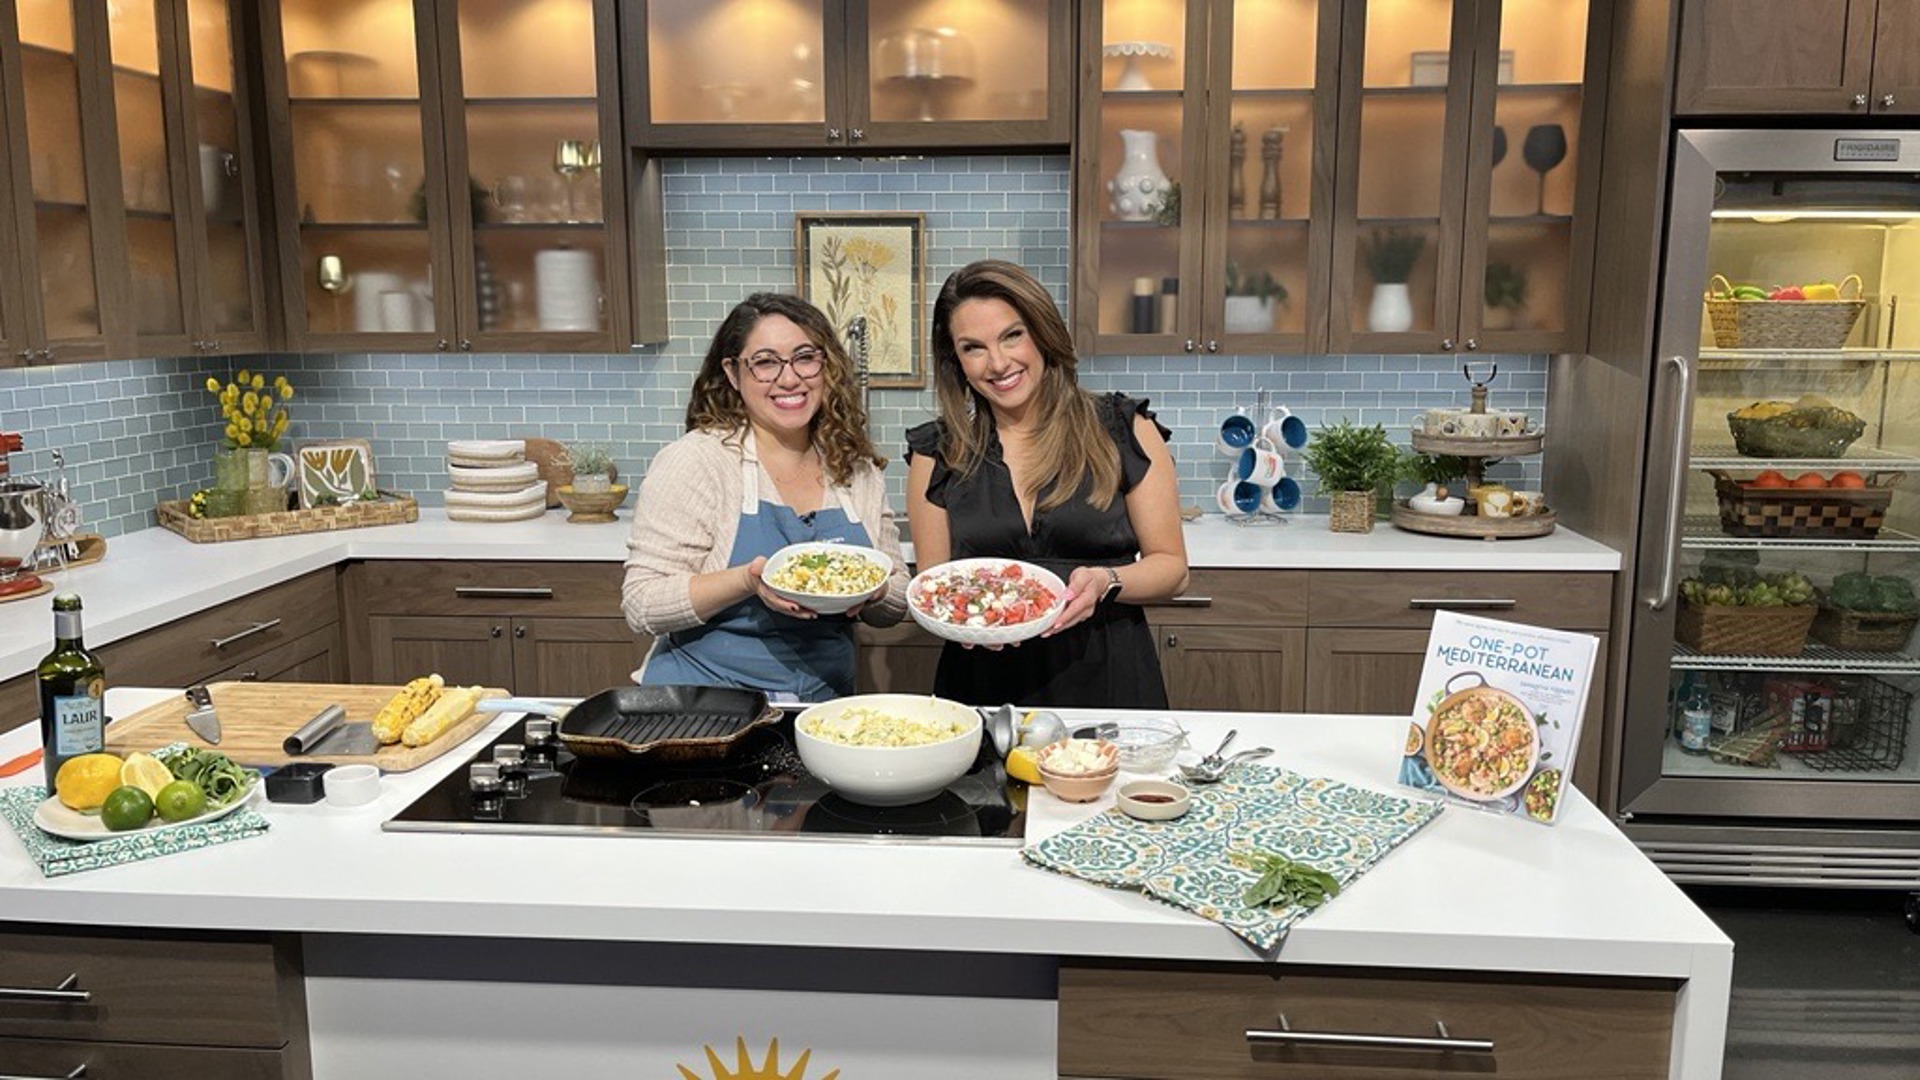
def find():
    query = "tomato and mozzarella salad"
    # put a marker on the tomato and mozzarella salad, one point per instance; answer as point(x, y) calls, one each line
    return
point(983, 596)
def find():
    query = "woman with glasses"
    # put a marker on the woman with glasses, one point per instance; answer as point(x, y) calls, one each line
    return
point(1024, 464)
point(776, 453)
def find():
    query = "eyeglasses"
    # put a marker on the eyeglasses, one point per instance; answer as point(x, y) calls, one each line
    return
point(766, 364)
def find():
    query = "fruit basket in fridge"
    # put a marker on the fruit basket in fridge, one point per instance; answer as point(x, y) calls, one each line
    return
point(1844, 505)
point(1811, 427)
point(1817, 316)
point(1763, 615)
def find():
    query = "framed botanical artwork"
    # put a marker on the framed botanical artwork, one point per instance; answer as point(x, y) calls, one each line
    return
point(334, 471)
point(871, 266)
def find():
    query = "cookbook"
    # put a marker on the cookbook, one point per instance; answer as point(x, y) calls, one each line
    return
point(1497, 717)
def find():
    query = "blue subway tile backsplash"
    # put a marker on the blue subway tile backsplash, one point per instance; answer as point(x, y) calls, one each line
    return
point(136, 432)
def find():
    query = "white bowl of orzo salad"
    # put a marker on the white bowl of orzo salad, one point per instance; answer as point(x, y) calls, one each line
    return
point(826, 578)
point(986, 601)
point(888, 749)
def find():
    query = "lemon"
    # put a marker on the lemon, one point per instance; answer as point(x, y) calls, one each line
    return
point(85, 781)
point(145, 772)
point(126, 808)
point(1023, 765)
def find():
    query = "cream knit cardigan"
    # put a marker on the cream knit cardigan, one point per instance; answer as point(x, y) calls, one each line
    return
point(689, 510)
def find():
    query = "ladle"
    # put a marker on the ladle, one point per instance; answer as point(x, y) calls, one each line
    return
point(1213, 768)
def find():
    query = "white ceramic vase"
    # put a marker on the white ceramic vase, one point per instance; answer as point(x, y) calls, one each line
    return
point(1140, 184)
point(1392, 308)
point(1249, 315)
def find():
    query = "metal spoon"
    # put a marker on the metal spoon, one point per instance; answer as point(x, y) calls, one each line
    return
point(1213, 768)
point(1214, 760)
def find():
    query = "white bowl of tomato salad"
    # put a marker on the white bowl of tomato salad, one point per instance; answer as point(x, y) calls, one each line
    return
point(986, 601)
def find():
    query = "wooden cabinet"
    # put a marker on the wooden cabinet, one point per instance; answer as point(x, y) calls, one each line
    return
point(1180, 1021)
point(1234, 640)
point(546, 629)
point(1845, 57)
point(1205, 169)
point(109, 1001)
point(1468, 140)
point(439, 179)
point(847, 74)
point(899, 659)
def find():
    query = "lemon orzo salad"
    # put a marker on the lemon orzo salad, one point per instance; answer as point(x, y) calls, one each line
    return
point(829, 573)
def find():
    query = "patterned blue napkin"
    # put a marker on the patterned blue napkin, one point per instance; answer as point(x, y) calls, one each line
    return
point(1338, 828)
point(56, 856)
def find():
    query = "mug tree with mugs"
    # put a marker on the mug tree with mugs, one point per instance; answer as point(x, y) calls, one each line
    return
point(1257, 486)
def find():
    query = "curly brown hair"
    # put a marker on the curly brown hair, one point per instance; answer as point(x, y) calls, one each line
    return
point(839, 428)
point(1072, 450)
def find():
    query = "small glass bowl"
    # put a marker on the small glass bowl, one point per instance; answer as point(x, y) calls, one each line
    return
point(1149, 744)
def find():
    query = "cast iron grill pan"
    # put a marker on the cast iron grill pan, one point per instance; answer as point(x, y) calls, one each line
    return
point(673, 723)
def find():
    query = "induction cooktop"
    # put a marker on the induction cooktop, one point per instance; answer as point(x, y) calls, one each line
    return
point(760, 790)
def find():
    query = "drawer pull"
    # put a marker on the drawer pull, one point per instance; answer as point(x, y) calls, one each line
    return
point(65, 992)
point(1463, 603)
point(256, 628)
point(79, 1073)
point(1443, 1042)
point(503, 592)
point(1182, 600)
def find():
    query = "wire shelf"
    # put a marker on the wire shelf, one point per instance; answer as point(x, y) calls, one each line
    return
point(1769, 358)
point(1848, 723)
point(1702, 533)
point(1724, 456)
point(1813, 658)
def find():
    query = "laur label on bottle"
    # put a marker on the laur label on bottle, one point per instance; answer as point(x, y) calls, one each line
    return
point(73, 686)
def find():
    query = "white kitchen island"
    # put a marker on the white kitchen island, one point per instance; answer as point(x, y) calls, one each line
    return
point(442, 955)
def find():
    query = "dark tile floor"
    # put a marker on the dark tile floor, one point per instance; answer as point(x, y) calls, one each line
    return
point(1826, 984)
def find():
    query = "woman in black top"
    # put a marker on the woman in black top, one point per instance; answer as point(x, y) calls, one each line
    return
point(1024, 464)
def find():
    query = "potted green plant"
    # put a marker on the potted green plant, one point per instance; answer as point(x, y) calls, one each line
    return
point(1506, 296)
point(1250, 300)
point(592, 467)
point(1353, 464)
point(1391, 255)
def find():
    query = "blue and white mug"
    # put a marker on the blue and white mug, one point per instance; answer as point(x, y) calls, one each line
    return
point(1236, 434)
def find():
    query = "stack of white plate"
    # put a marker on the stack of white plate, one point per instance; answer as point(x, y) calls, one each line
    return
point(493, 481)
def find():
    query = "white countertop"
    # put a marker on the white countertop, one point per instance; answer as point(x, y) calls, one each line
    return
point(154, 576)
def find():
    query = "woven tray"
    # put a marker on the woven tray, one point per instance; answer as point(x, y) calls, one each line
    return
point(1784, 324)
point(389, 509)
point(1871, 631)
point(1836, 513)
point(1745, 631)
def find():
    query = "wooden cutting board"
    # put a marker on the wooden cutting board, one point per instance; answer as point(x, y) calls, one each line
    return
point(257, 717)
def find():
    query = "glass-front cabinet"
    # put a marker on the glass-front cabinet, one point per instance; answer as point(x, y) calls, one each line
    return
point(1464, 212)
point(821, 74)
point(441, 180)
point(1203, 187)
point(1775, 665)
point(225, 237)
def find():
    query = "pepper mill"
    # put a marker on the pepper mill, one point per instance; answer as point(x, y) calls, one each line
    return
point(1270, 173)
point(1236, 173)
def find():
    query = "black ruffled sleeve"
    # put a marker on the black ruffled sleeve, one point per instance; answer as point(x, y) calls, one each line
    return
point(1118, 411)
point(925, 440)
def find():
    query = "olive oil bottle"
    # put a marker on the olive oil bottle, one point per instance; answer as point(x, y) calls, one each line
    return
point(73, 687)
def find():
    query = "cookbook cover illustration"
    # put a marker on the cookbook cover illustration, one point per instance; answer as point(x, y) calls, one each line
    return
point(1497, 715)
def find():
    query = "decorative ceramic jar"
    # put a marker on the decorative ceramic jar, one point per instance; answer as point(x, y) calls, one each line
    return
point(1141, 184)
point(1392, 308)
point(1249, 315)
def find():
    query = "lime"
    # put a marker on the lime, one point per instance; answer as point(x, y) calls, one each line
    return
point(145, 772)
point(180, 800)
point(126, 808)
point(84, 782)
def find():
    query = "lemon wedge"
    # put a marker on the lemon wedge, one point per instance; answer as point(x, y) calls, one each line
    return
point(145, 772)
point(1023, 765)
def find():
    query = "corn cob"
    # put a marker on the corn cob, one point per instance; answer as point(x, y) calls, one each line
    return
point(453, 706)
point(412, 700)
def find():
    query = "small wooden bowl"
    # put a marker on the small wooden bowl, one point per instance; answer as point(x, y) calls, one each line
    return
point(592, 507)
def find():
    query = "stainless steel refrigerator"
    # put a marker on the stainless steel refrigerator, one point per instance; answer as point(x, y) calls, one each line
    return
point(1768, 732)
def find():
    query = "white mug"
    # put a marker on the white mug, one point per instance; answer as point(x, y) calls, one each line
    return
point(1238, 497)
point(1236, 433)
point(1442, 421)
point(1282, 496)
point(1260, 464)
point(1513, 424)
point(1479, 425)
point(1284, 429)
point(1497, 503)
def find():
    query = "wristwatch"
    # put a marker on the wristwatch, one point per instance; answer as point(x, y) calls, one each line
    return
point(1113, 585)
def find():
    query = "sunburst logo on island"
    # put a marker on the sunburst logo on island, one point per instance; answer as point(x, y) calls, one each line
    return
point(744, 1068)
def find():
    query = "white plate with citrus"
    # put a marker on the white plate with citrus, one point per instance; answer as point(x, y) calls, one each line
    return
point(59, 819)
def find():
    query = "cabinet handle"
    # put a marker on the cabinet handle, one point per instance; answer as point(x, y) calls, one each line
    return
point(503, 592)
point(466, 345)
point(1444, 1041)
point(213, 346)
point(520, 631)
point(1446, 343)
point(1213, 346)
point(1473, 344)
point(79, 1073)
point(833, 134)
point(1173, 641)
point(1462, 603)
point(230, 164)
point(857, 134)
point(45, 355)
point(493, 632)
point(1859, 101)
point(65, 992)
point(1183, 600)
point(1191, 344)
point(1886, 101)
point(442, 344)
point(1676, 484)
point(26, 354)
point(249, 676)
point(256, 628)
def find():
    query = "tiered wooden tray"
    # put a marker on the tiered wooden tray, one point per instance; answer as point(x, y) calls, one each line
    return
point(1476, 450)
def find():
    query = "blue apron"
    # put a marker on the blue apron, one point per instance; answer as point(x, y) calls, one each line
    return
point(750, 645)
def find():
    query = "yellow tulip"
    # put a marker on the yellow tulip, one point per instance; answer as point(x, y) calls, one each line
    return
point(213, 385)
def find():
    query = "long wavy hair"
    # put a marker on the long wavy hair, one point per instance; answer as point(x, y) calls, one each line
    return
point(1072, 449)
point(839, 428)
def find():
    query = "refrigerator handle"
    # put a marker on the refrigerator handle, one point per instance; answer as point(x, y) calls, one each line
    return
point(1676, 484)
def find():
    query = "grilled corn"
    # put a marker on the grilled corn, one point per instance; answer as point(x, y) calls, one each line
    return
point(412, 700)
point(453, 706)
